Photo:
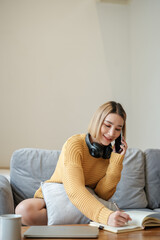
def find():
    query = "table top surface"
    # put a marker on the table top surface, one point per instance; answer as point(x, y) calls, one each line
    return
point(146, 234)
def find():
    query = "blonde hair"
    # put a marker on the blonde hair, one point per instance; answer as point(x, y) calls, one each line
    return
point(101, 113)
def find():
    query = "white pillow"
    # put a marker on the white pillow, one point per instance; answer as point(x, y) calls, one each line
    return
point(60, 210)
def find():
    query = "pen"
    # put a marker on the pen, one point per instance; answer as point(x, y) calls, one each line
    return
point(115, 204)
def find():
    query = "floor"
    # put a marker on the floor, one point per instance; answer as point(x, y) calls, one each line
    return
point(5, 172)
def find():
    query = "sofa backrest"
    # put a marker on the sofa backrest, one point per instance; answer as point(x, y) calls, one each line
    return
point(152, 162)
point(29, 167)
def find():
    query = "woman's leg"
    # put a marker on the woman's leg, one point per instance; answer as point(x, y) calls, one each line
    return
point(33, 211)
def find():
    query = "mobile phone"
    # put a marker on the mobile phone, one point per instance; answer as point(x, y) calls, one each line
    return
point(117, 144)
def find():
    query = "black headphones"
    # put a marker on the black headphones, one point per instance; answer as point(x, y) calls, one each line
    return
point(97, 150)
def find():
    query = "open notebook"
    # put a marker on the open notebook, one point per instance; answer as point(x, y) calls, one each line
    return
point(140, 220)
point(58, 231)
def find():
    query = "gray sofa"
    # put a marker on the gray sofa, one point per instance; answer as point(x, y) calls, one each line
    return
point(139, 187)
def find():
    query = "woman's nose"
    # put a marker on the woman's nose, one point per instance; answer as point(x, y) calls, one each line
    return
point(112, 132)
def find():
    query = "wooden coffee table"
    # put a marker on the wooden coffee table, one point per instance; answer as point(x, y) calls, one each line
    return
point(147, 234)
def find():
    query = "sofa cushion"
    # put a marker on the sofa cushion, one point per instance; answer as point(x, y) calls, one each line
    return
point(130, 190)
point(6, 197)
point(152, 158)
point(29, 167)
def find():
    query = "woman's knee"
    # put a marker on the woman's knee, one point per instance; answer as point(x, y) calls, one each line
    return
point(26, 209)
point(29, 210)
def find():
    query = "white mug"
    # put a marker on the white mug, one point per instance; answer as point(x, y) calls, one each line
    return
point(10, 227)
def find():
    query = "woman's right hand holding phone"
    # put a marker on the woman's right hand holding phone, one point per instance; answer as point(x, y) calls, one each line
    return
point(123, 146)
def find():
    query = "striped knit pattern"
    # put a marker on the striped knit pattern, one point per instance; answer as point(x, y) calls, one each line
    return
point(76, 168)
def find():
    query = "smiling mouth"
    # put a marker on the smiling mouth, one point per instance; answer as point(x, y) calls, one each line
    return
point(108, 139)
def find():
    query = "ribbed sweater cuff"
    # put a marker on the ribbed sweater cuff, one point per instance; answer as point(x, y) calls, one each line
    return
point(104, 215)
point(116, 158)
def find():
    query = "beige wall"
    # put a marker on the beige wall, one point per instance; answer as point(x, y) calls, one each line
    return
point(145, 73)
point(131, 36)
point(61, 59)
point(52, 72)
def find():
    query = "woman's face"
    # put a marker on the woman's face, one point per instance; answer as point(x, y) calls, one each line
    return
point(111, 128)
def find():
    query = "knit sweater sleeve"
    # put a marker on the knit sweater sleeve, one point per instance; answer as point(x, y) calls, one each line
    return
point(106, 187)
point(74, 183)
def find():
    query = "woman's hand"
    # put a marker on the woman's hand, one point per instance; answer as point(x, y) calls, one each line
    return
point(118, 219)
point(123, 146)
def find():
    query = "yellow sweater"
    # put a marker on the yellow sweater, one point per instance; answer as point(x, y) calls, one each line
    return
point(76, 168)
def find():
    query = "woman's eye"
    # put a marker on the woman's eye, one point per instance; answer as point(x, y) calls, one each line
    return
point(108, 126)
point(118, 129)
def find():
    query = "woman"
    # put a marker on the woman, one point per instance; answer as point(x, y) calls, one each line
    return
point(87, 160)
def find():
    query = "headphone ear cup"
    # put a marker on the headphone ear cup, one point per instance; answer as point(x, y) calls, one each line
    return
point(95, 149)
point(107, 152)
point(98, 150)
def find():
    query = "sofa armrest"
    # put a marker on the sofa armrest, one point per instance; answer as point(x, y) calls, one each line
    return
point(6, 197)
